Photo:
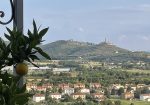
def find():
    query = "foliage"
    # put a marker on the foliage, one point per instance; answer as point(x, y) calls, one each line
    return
point(100, 52)
point(120, 91)
point(67, 98)
point(117, 102)
point(107, 93)
point(22, 47)
point(10, 93)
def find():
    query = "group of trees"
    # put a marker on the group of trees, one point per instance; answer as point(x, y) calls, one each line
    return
point(101, 76)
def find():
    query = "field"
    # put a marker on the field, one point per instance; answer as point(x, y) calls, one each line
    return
point(128, 102)
point(138, 71)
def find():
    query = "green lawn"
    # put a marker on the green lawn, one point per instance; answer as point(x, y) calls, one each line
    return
point(128, 102)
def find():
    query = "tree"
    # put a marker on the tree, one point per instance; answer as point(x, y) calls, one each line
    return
point(10, 93)
point(67, 98)
point(60, 90)
point(145, 90)
point(89, 97)
point(107, 93)
point(54, 89)
point(20, 48)
point(120, 91)
point(129, 88)
point(113, 92)
point(132, 104)
point(118, 102)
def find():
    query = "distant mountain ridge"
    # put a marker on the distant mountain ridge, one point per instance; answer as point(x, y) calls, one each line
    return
point(69, 49)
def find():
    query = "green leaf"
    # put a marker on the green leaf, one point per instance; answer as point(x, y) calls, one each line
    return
point(42, 53)
point(28, 59)
point(2, 100)
point(8, 37)
point(33, 57)
point(10, 32)
point(35, 28)
point(22, 99)
point(43, 32)
point(30, 34)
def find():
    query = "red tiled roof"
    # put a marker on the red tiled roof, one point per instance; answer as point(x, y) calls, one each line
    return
point(39, 95)
point(145, 94)
point(55, 94)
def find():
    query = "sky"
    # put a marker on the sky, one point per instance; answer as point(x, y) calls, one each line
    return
point(125, 23)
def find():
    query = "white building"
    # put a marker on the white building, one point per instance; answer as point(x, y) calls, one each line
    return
point(33, 69)
point(117, 86)
point(145, 97)
point(55, 96)
point(40, 68)
point(85, 90)
point(8, 69)
point(68, 91)
point(60, 70)
point(39, 97)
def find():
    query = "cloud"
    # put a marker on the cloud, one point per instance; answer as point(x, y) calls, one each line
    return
point(146, 38)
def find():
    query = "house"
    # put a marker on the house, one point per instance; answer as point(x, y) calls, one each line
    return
point(95, 85)
point(78, 95)
point(145, 97)
point(31, 79)
point(133, 87)
point(117, 86)
point(55, 96)
point(85, 90)
point(79, 85)
point(41, 88)
point(30, 86)
point(148, 86)
point(63, 86)
point(68, 91)
point(47, 86)
point(38, 97)
point(98, 96)
point(128, 95)
point(60, 70)
point(141, 85)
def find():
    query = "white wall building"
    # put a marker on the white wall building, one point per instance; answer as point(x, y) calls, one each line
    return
point(84, 90)
point(145, 97)
point(68, 91)
point(39, 97)
point(60, 70)
point(55, 96)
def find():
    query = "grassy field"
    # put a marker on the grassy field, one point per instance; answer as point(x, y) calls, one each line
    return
point(137, 71)
point(128, 102)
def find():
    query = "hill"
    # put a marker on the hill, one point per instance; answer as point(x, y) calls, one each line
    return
point(69, 49)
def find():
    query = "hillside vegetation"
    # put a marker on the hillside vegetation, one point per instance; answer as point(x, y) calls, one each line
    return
point(104, 51)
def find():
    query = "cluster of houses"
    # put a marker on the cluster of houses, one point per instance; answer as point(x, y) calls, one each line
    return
point(129, 94)
point(75, 91)
point(79, 90)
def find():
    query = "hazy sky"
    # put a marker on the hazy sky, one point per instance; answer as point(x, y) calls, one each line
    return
point(125, 23)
